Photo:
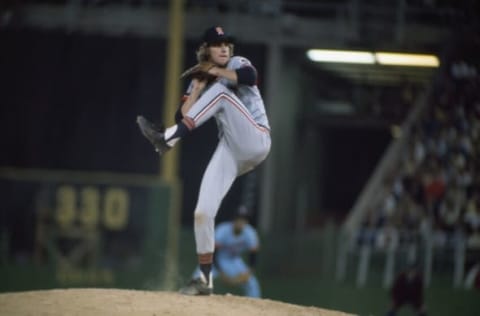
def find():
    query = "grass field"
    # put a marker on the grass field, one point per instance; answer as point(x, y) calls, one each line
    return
point(305, 286)
point(311, 289)
point(440, 301)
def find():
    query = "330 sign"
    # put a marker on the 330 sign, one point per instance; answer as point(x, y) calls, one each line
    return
point(90, 207)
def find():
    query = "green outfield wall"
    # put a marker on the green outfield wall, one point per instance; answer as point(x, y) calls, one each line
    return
point(72, 229)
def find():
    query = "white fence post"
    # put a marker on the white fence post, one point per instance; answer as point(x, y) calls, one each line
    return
point(363, 265)
point(459, 261)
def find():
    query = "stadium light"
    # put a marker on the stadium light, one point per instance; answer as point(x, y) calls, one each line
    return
point(341, 56)
point(364, 57)
point(414, 60)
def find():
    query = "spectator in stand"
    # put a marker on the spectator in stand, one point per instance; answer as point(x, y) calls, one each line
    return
point(414, 188)
point(434, 186)
point(472, 221)
point(449, 216)
point(440, 182)
point(451, 208)
point(408, 289)
point(411, 219)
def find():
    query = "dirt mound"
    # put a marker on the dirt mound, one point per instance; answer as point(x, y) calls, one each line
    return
point(95, 302)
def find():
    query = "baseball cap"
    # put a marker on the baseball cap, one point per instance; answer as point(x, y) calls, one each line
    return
point(215, 34)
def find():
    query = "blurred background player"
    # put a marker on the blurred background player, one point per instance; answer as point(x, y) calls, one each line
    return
point(408, 289)
point(233, 239)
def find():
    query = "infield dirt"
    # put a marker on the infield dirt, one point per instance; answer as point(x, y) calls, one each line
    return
point(96, 302)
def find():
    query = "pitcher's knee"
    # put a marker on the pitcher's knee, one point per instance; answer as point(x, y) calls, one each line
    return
point(202, 217)
point(262, 153)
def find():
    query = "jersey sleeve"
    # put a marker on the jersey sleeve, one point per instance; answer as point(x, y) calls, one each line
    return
point(252, 238)
point(246, 72)
point(246, 75)
point(239, 62)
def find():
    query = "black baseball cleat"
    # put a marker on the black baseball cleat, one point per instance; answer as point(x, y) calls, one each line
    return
point(196, 287)
point(155, 135)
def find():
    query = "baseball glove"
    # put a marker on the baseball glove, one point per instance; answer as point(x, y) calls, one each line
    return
point(200, 71)
point(237, 280)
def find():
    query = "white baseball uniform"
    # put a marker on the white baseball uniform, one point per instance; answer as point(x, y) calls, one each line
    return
point(244, 143)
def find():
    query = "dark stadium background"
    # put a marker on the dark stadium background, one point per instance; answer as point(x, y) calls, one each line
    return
point(70, 93)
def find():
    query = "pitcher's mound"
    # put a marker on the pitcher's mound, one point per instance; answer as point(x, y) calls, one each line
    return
point(94, 302)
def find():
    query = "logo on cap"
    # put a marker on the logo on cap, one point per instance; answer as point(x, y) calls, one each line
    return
point(219, 30)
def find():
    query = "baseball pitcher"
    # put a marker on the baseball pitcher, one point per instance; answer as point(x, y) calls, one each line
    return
point(222, 86)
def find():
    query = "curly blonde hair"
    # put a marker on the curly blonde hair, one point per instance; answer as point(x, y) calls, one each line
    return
point(203, 54)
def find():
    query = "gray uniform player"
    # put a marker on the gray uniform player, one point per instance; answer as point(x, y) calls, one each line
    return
point(235, 102)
